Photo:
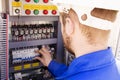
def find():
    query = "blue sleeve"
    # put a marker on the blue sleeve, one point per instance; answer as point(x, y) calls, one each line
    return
point(118, 65)
point(56, 68)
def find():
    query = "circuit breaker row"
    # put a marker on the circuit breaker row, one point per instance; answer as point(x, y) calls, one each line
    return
point(32, 32)
point(31, 36)
point(27, 54)
point(38, 74)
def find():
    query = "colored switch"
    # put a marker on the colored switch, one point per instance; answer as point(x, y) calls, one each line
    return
point(45, 12)
point(17, 11)
point(27, 0)
point(45, 1)
point(54, 12)
point(36, 12)
point(17, 0)
point(36, 1)
point(28, 12)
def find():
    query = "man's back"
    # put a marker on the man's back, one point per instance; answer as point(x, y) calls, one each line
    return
point(118, 65)
point(99, 65)
point(106, 73)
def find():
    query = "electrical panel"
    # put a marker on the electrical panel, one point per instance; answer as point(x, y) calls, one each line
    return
point(32, 8)
point(33, 24)
point(27, 37)
point(29, 26)
point(24, 66)
point(68, 57)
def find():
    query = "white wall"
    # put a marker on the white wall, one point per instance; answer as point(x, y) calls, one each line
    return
point(115, 34)
point(0, 6)
point(3, 6)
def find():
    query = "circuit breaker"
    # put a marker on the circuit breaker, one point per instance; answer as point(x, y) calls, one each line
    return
point(24, 66)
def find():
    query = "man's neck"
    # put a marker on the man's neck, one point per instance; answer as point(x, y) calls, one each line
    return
point(88, 49)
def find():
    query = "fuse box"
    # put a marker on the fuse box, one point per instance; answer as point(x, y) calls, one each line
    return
point(27, 37)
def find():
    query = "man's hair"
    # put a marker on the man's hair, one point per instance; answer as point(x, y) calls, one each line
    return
point(93, 35)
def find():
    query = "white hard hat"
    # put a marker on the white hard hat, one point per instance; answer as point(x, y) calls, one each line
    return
point(85, 7)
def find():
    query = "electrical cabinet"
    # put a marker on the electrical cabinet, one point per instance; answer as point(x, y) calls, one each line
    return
point(32, 24)
point(25, 38)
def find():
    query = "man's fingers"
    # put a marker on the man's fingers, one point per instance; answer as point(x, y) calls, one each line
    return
point(38, 58)
point(45, 50)
point(36, 51)
point(40, 52)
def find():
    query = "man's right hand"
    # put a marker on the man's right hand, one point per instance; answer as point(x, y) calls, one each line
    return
point(45, 58)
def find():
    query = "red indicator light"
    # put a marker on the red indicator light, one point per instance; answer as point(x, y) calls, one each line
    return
point(27, 0)
point(45, 1)
point(28, 12)
point(45, 12)
point(54, 12)
point(17, 0)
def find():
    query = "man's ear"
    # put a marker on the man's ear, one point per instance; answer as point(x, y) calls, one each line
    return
point(69, 26)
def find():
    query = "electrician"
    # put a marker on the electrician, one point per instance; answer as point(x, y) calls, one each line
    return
point(85, 32)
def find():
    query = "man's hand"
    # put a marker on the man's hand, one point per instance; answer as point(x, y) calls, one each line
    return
point(45, 58)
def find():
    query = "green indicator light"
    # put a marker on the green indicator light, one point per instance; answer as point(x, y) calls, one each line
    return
point(36, 1)
point(36, 12)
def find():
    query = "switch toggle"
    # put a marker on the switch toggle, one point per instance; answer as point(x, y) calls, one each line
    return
point(54, 12)
point(45, 1)
point(45, 12)
point(36, 12)
point(17, 0)
point(27, 11)
point(17, 11)
point(27, 0)
point(36, 1)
